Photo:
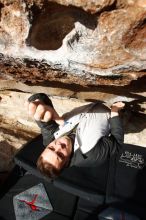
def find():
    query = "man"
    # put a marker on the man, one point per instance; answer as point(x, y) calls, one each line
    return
point(80, 140)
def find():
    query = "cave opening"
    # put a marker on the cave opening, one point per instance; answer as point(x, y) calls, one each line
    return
point(53, 22)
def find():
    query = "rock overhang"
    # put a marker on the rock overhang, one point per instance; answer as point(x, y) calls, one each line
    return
point(70, 44)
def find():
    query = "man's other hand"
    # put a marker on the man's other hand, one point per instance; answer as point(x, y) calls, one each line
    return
point(41, 112)
point(117, 106)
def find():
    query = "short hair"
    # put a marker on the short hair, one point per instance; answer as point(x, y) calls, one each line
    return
point(47, 168)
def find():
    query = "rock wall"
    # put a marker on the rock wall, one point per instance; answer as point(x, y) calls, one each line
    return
point(77, 51)
point(95, 40)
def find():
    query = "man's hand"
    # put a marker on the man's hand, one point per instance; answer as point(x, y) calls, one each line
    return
point(41, 112)
point(116, 107)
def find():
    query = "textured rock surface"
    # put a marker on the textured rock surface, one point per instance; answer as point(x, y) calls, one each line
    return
point(92, 6)
point(13, 135)
point(55, 40)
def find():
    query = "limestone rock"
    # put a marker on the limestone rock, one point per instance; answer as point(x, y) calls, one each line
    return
point(14, 24)
point(57, 41)
point(92, 6)
point(13, 135)
point(126, 3)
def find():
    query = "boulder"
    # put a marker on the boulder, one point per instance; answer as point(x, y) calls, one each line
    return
point(64, 43)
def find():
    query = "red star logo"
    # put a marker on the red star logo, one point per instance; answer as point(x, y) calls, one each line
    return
point(31, 204)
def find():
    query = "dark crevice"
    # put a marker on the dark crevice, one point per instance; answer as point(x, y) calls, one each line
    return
point(135, 86)
point(33, 14)
point(129, 37)
point(1, 6)
point(53, 23)
point(20, 133)
point(86, 18)
point(108, 8)
point(141, 71)
point(133, 121)
point(138, 85)
point(127, 91)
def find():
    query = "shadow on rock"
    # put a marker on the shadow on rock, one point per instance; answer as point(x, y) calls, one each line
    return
point(7, 152)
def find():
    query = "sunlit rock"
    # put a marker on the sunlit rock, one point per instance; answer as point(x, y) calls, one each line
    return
point(67, 43)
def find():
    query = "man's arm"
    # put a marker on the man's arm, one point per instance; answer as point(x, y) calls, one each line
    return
point(115, 122)
point(41, 109)
point(108, 145)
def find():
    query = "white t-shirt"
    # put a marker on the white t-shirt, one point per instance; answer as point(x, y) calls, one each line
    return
point(91, 124)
